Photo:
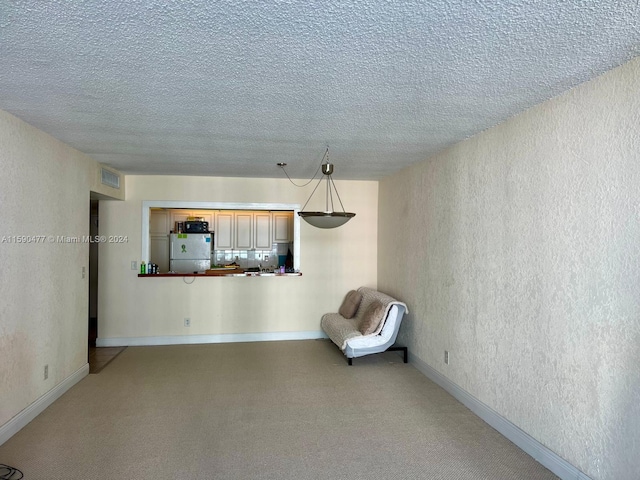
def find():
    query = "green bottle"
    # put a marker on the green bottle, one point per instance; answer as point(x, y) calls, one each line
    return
point(143, 268)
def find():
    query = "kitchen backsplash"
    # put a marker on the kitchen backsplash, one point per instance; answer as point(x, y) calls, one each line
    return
point(266, 259)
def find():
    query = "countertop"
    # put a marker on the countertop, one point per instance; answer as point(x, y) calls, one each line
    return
point(221, 274)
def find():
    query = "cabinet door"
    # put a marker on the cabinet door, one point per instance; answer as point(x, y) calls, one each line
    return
point(178, 216)
point(159, 222)
point(224, 230)
point(159, 252)
point(208, 216)
point(159, 239)
point(262, 230)
point(282, 227)
point(244, 230)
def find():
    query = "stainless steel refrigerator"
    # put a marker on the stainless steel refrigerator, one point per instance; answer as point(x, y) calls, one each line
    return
point(190, 252)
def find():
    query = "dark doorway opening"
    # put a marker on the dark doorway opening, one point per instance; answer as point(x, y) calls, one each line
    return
point(93, 274)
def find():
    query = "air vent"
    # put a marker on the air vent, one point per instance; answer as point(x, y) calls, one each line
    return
point(110, 179)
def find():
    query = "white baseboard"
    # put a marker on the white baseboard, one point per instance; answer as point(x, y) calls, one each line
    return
point(527, 443)
point(14, 425)
point(221, 338)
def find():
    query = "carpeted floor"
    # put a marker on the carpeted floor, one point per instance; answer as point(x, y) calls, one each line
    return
point(268, 410)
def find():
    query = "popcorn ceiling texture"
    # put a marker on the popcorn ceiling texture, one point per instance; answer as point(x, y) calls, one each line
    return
point(219, 88)
point(523, 262)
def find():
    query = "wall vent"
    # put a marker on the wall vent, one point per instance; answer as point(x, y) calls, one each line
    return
point(110, 179)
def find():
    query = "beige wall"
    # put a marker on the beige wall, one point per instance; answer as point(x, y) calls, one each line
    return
point(44, 190)
point(525, 266)
point(332, 262)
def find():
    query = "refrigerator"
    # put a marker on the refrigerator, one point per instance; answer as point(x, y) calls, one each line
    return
point(190, 252)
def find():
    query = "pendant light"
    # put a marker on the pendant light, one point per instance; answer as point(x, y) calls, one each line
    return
point(329, 218)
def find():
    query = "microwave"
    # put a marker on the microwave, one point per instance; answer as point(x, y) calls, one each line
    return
point(196, 227)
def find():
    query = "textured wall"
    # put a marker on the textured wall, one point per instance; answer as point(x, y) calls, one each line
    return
point(520, 256)
point(44, 190)
point(332, 262)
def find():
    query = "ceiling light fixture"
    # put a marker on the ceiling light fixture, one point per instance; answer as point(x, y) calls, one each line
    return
point(329, 218)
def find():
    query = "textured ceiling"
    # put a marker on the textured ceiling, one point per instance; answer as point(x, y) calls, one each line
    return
point(230, 88)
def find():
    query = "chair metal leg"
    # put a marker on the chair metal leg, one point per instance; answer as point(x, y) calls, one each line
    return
point(404, 351)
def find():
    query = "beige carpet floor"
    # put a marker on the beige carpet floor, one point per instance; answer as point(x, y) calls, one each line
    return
point(269, 410)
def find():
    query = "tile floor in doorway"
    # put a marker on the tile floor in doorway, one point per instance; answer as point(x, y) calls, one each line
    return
point(99, 357)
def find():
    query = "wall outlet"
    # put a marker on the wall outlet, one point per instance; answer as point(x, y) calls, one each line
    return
point(84, 272)
point(187, 322)
point(446, 357)
point(134, 265)
point(46, 372)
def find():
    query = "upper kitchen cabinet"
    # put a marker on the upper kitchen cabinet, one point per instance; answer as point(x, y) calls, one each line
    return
point(234, 229)
point(224, 230)
point(282, 227)
point(262, 230)
point(159, 222)
point(179, 215)
point(243, 230)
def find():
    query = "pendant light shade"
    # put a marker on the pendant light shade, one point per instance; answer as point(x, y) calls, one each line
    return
point(329, 218)
point(326, 220)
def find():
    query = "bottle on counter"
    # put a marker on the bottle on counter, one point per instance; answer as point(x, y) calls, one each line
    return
point(143, 268)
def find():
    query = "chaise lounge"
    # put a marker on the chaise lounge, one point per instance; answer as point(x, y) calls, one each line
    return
point(366, 323)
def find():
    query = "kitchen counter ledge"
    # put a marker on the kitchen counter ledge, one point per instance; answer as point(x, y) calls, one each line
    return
point(221, 274)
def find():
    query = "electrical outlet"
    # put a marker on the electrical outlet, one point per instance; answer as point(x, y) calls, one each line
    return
point(446, 357)
point(187, 322)
point(84, 272)
point(134, 265)
point(46, 372)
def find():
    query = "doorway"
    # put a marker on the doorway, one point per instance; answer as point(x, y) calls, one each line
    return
point(93, 274)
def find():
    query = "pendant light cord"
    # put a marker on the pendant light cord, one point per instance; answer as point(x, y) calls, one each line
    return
point(314, 191)
point(329, 194)
point(314, 175)
point(337, 195)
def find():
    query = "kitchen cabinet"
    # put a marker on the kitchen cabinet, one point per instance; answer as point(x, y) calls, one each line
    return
point(159, 222)
point(159, 239)
point(159, 251)
point(224, 230)
point(262, 230)
point(182, 215)
point(234, 229)
point(243, 230)
point(282, 227)
point(253, 230)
